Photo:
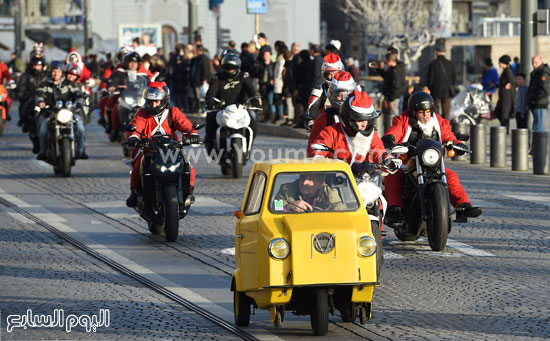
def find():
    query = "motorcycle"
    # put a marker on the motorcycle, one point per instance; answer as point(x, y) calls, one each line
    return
point(234, 136)
point(61, 137)
point(129, 102)
point(3, 108)
point(165, 178)
point(426, 193)
point(368, 177)
point(471, 105)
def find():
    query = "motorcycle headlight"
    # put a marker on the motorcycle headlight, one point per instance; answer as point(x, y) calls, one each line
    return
point(64, 116)
point(172, 168)
point(129, 100)
point(278, 248)
point(366, 246)
point(430, 157)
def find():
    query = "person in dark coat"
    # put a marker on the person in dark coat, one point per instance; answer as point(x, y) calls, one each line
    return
point(538, 92)
point(395, 84)
point(506, 93)
point(200, 70)
point(441, 80)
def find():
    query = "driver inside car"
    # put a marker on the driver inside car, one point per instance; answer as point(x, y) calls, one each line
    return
point(309, 191)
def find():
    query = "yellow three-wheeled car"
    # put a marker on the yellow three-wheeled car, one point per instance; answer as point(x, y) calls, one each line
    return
point(304, 243)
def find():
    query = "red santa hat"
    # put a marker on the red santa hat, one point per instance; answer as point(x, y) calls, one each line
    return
point(343, 80)
point(332, 62)
point(361, 102)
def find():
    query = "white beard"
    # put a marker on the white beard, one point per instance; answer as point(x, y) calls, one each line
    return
point(427, 128)
point(361, 143)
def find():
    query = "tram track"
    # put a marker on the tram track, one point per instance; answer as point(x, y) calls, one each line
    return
point(355, 329)
point(126, 271)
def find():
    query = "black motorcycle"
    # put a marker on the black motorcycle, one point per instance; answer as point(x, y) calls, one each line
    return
point(165, 179)
point(61, 138)
point(426, 193)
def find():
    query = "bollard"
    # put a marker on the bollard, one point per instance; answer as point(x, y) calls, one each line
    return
point(498, 147)
point(388, 118)
point(478, 145)
point(379, 124)
point(459, 127)
point(520, 149)
point(541, 155)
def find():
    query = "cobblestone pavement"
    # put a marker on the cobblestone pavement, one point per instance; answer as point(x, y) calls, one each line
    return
point(41, 272)
point(490, 283)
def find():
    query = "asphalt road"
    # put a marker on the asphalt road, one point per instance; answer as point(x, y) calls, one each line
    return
point(490, 283)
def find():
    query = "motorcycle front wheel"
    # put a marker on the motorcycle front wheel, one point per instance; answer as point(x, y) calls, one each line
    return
point(438, 216)
point(237, 158)
point(171, 215)
point(65, 157)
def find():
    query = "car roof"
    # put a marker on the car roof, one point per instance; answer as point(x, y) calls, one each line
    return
point(301, 165)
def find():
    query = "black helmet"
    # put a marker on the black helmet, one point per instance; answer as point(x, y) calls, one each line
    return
point(225, 53)
point(420, 101)
point(37, 61)
point(157, 91)
point(131, 57)
point(358, 107)
point(231, 64)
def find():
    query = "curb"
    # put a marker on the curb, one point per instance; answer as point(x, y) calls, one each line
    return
point(263, 128)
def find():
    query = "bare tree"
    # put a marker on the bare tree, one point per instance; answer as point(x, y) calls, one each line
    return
point(403, 24)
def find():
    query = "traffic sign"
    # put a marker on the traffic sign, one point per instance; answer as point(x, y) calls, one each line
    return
point(256, 6)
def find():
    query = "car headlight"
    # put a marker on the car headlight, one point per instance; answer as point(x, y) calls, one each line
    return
point(278, 248)
point(64, 116)
point(366, 246)
point(430, 157)
point(129, 100)
point(172, 168)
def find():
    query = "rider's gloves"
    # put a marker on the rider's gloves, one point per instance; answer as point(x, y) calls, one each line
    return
point(461, 146)
point(194, 139)
point(389, 141)
point(132, 141)
point(392, 163)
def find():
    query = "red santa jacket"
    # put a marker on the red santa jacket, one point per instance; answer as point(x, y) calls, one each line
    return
point(320, 123)
point(401, 128)
point(4, 73)
point(335, 138)
point(149, 124)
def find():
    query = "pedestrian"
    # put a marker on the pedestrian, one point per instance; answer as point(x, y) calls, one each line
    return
point(200, 71)
point(441, 80)
point(278, 82)
point(489, 80)
point(506, 91)
point(516, 66)
point(520, 102)
point(395, 84)
point(264, 74)
point(248, 60)
point(302, 85)
point(262, 45)
point(289, 88)
point(538, 92)
point(352, 69)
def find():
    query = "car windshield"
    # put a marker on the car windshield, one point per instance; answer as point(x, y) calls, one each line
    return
point(312, 192)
